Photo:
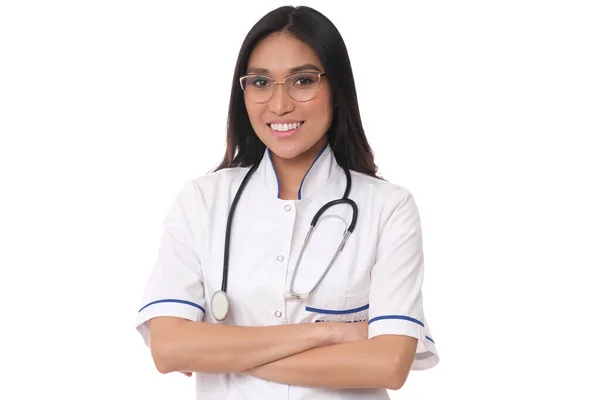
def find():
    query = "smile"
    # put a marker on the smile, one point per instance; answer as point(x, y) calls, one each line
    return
point(285, 130)
point(285, 127)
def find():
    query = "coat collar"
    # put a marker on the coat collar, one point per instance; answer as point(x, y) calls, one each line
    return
point(323, 168)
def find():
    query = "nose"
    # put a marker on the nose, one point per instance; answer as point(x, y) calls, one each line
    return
point(280, 102)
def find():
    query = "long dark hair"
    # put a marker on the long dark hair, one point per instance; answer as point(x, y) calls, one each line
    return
point(346, 135)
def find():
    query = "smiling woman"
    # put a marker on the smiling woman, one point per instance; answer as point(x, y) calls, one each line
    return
point(325, 258)
point(302, 101)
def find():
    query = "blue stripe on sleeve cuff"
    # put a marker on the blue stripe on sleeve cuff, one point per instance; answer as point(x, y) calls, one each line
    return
point(189, 303)
point(407, 318)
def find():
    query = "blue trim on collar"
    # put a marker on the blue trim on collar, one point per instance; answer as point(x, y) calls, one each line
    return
point(275, 172)
point(311, 165)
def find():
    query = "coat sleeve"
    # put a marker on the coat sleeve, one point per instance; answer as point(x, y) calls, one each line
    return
point(396, 301)
point(175, 285)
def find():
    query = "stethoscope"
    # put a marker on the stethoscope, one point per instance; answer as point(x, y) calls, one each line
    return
point(220, 301)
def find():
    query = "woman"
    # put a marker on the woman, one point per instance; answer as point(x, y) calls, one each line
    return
point(251, 332)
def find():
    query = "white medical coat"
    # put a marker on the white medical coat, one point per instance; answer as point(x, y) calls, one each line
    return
point(377, 277)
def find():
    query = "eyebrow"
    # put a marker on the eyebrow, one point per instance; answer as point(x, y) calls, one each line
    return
point(304, 67)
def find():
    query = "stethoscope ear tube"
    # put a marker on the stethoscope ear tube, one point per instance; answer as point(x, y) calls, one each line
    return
point(332, 203)
point(313, 223)
point(343, 200)
point(236, 199)
point(220, 301)
point(348, 183)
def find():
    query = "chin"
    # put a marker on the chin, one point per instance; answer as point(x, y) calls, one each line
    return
point(286, 152)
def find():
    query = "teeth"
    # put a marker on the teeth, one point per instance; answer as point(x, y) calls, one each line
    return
point(285, 127)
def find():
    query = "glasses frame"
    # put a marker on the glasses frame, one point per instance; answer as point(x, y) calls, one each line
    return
point(319, 74)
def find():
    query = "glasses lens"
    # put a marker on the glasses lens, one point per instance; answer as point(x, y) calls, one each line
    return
point(302, 86)
point(258, 88)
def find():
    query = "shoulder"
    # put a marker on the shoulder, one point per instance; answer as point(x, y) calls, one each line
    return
point(212, 185)
point(219, 179)
point(386, 193)
point(392, 204)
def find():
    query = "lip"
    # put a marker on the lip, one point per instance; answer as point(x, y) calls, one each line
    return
point(285, 134)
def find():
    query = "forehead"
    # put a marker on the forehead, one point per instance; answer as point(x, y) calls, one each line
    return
point(279, 53)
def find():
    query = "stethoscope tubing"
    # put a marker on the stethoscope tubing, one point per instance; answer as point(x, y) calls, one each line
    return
point(290, 293)
point(232, 209)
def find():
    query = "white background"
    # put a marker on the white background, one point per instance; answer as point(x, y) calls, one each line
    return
point(487, 111)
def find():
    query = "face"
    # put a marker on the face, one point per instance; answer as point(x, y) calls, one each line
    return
point(277, 56)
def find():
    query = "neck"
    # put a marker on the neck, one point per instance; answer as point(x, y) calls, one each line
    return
point(291, 172)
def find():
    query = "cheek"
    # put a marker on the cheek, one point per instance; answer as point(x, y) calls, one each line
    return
point(254, 111)
point(322, 109)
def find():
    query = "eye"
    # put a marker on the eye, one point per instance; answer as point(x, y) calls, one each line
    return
point(304, 80)
point(259, 82)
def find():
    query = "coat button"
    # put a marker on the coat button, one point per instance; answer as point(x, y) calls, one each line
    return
point(278, 314)
point(288, 207)
point(280, 258)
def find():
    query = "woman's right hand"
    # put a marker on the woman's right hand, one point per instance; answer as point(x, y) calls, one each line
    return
point(346, 332)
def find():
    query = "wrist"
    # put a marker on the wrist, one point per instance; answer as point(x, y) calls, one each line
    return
point(334, 334)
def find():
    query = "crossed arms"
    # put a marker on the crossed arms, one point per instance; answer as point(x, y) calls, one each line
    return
point(325, 354)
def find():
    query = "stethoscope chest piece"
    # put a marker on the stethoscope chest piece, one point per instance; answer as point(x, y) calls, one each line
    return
point(219, 305)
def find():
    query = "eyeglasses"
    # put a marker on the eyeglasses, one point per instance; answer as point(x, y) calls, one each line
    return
point(302, 86)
